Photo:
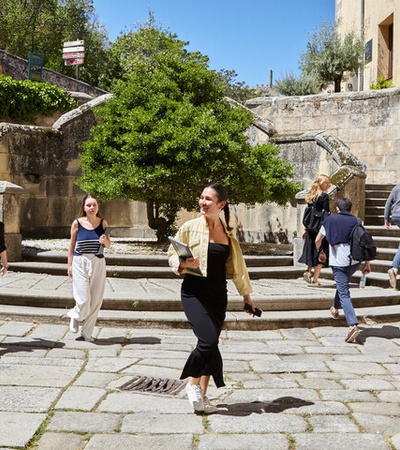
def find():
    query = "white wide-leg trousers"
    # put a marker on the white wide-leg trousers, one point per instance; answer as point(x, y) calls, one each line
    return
point(88, 281)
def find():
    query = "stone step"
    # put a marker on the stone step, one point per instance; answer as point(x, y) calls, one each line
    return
point(379, 187)
point(370, 201)
point(270, 320)
point(374, 219)
point(122, 271)
point(162, 294)
point(258, 267)
point(380, 230)
point(52, 256)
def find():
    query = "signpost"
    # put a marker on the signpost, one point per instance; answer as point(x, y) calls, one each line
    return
point(74, 54)
point(35, 66)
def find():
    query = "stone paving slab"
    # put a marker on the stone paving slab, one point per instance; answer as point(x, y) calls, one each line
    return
point(17, 428)
point(149, 442)
point(287, 389)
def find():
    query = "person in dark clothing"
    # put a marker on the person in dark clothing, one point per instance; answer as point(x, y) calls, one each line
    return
point(3, 252)
point(216, 252)
point(318, 198)
point(337, 230)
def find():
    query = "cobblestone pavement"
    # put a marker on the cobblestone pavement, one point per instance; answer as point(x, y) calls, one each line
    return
point(287, 389)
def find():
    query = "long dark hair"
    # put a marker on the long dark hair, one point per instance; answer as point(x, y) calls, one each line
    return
point(222, 196)
point(82, 211)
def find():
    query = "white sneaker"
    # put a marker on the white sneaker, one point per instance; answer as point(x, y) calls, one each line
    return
point(209, 408)
point(195, 396)
point(73, 325)
point(392, 278)
point(307, 277)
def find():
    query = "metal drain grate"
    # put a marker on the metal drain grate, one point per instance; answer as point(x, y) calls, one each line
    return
point(154, 385)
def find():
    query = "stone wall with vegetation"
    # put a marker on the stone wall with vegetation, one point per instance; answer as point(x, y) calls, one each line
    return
point(340, 134)
point(44, 162)
point(17, 68)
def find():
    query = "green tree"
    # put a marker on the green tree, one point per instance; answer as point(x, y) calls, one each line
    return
point(168, 130)
point(44, 25)
point(302, 85)
point(237, 90)
point(329, 55)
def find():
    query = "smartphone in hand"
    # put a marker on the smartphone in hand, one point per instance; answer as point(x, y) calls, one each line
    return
point(256, 312)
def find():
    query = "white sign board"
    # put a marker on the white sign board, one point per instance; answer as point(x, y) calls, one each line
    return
point(73, 49)
point(73, 43)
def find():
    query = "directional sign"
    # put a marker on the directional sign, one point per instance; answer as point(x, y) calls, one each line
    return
point(73, 49)
point(73, 43)
point(73, 62)
point(73, 55)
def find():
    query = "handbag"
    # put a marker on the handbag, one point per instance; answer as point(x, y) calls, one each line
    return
point(313, 218)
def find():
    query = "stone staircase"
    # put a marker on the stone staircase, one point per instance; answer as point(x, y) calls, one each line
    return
point(298, 305)
point(387, 241)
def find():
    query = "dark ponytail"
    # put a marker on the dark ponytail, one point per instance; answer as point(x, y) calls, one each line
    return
point(222, 196)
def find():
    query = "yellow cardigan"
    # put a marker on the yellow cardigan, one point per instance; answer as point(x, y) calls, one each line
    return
point(195, 233)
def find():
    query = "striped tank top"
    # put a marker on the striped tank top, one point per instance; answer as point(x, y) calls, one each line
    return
point(87, 241)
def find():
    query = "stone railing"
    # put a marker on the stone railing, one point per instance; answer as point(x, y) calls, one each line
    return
point(346, 173)
point(17, 68)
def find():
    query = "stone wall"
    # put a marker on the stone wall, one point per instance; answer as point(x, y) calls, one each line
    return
point(44, 162)
point(368, 123)
point(335, 134)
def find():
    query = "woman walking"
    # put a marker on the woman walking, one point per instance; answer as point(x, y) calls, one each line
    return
point(319, 199)
point(87, 266)
point(217, 254)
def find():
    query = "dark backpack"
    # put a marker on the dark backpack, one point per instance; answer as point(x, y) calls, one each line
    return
point(362, 247)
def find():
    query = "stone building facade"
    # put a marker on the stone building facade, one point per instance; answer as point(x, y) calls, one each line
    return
point(378, 21)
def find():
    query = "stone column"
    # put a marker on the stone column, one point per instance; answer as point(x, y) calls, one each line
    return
point(10, 216)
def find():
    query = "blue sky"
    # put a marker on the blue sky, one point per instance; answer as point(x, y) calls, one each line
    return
point(248, 37)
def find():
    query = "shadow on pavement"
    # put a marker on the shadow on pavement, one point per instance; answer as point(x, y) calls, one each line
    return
point(123, 341)
point(386, 332)
point(277, 406)
point(29, 346)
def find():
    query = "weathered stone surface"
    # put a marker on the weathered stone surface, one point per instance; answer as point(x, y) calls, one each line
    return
point(161, 424)
point(242, 441)
point(123, 441)
point(84, 422)
point(17, 429)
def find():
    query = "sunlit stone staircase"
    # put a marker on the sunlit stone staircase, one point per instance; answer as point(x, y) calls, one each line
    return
point(279, 289)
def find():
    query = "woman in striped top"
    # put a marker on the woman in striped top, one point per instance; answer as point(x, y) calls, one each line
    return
point(87, 266)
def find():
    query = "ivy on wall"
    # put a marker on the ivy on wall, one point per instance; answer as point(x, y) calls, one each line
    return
point(23, 100)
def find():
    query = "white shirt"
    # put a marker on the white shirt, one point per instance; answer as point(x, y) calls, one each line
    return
point(339, 254)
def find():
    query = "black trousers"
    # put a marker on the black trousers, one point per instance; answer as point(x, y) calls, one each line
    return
point(206, 317)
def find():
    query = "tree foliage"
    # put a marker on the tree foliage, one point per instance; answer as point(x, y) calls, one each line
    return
point(329, 55)
point(168, 130)
point(302, 85)
point(44, 25)
point(237, 90)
